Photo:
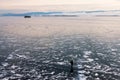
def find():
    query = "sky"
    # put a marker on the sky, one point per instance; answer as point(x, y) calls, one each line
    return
point(60, 4)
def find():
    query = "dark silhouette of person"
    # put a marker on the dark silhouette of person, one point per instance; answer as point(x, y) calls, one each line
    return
point(71, 62)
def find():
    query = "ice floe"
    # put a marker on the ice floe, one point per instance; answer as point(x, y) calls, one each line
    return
point(21, 56)
point(5, 64)
point(60, 63)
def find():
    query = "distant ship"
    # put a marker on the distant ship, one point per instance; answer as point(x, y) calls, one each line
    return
point(27, 16)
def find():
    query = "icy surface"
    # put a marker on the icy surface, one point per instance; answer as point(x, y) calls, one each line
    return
point(48, 57)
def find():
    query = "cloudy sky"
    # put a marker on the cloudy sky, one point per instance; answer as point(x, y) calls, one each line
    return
point(81, 4)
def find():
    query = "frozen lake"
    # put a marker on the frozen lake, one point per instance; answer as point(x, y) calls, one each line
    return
point(40, 48)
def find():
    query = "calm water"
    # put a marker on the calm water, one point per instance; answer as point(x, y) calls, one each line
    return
point(41, 48)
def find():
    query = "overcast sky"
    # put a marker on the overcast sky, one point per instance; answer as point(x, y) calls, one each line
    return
point(83, 4)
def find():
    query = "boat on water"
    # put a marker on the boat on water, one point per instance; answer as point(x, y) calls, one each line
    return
point(27, 16)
